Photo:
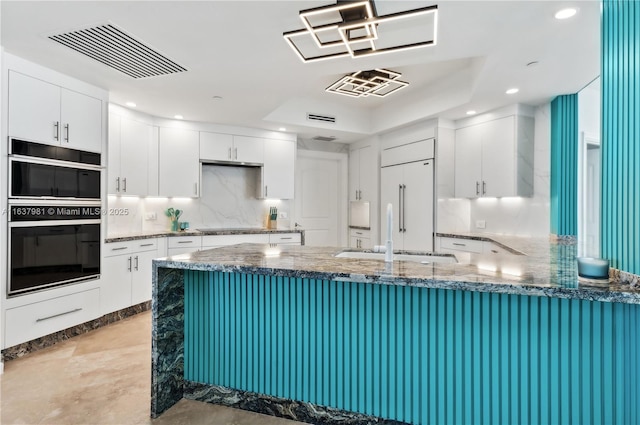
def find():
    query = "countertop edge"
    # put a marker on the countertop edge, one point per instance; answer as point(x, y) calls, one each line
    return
point(221, 232)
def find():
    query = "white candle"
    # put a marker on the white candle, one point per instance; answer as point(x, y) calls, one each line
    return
point(389, 222)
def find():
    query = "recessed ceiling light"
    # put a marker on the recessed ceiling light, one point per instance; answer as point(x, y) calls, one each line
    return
point(472, 112)
point(178, 117)
point(513, 91)
point(131, 104)
point(282, 129)
point(565, 13)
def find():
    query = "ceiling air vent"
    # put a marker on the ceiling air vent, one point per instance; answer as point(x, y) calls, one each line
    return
point(115, 48)
point(321, 118)
point(324, 138)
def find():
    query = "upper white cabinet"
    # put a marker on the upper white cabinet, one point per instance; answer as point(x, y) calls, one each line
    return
point(278, 171)
point(231, 148)
point(130, 145)
point(361, 174)
point(178, 163)
point(495, 158)
point(46, 113)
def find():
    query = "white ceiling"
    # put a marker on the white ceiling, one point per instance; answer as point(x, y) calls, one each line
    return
point(235, 49)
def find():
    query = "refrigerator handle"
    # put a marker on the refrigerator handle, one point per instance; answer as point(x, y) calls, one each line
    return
point(404, 196)
point(399, 208)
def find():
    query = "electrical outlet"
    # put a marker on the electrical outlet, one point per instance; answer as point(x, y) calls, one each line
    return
point(283, 215)
point(151, 216)
point(481, 224)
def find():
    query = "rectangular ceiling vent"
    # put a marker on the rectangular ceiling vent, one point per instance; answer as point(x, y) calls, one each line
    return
point(115, 48)
point(324, 138)
point(321, 118)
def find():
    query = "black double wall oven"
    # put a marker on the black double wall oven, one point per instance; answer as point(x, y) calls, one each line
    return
point(54, 216)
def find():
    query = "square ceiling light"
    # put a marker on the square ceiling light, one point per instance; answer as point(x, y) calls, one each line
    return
point(353, 29)
point(377, 82)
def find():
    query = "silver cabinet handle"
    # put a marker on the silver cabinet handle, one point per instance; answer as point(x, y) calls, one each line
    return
point(404, 196)
point(399, 208)
point(185, 241)
point(477, 188)
point(66, 129)
point(195, 188)
point(283, 239)
point(120, 248)
point(266, 191)
point(235, 153)
point(58, 315)
point(136, 266)
point(56, 133)
point(459, 244)
point(146, 244)
point(229, 153)
point(356, 194)
point(117, 184)
point(129, 264)
point(484, 188)
point(124, 184)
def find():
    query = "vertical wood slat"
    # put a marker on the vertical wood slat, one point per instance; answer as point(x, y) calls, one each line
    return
point(620, 142)
point(414, 354)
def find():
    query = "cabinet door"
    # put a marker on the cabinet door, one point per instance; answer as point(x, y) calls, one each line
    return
point(81, 120)
point(354, 174)
point(115, 292)
point(498, 158)
point(135, 138)
point(390, 191)
point(248, 149)
point(216, 146)
point(179, 163)
point(468, 166)
point(278, 170)
point(113, 159)
point(417, 211)
point(141, 276)
point(367, 173)
point(34, 109)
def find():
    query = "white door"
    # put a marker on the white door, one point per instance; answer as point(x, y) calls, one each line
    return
point(320, 195)
point(468, 171)
point(81, 121)
point(498, 158)
point(179, 162)
point(278, 170)
point(418, 206)
point(135, 138)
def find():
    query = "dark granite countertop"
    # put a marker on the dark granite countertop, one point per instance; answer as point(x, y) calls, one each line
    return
point(198, 232)
point(548, 269)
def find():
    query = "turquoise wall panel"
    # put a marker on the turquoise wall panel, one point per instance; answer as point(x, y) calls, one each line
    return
point(620, 145)
point(564, 165)
point(418, 355)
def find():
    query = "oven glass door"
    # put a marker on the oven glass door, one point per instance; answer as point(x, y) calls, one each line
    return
point(53, 254)
point(33, 179)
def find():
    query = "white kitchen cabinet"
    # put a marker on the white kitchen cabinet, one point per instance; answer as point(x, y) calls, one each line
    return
point(361, 174)
point(127, 274)
point(360, 239)
point(231, 148)
point(46, 113)
point(279, 169)
point(461, 245)
point(34, 320)
point(178, 163)
point(495, 158)
point(285, 238)
point(177, 245)
point(408, 185)
point(130, 143)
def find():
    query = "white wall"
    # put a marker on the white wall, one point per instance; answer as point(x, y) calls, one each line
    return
point(522, 216)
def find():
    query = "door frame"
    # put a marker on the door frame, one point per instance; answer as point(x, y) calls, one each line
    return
point(343, 187)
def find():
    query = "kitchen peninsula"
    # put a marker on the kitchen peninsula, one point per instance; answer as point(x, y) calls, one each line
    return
point(294, 331)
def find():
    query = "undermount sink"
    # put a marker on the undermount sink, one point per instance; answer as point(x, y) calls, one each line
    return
point(418, 258)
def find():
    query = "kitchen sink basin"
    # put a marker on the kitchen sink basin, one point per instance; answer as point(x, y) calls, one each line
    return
point(418, 258)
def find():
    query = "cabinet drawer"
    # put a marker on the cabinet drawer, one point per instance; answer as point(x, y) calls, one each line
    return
point(224, 240)
point(42, 318)
point(145, 245)
point(492, 248)
point(355, 233)
point(285, 238)
point(117, 248)
point(459, 244)
point(184, 242)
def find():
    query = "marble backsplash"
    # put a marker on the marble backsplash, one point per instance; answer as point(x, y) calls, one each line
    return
point(228, 200)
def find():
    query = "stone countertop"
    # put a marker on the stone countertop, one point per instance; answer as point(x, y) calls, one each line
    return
point(198, 232)
point(549, 269)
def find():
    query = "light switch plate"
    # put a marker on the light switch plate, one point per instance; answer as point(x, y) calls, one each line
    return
point(481, 224)
point(151, 216)
point(284, 215)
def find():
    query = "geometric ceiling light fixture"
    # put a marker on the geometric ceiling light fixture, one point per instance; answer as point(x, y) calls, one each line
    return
point(353, 28)
point(377, 82)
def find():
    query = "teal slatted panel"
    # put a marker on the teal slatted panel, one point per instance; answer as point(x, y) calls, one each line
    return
point(413, 354)
point(564, 165)
point(620, 141)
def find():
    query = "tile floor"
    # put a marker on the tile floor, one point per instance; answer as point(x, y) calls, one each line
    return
point(102, 377)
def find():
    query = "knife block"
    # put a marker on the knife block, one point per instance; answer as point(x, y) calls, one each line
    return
point(272, 224)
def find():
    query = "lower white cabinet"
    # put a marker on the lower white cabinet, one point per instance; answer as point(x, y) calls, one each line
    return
point(216, 241)
point(34, 320)
point(360, 238)
point(127, 276)
point(461, 244)
point(177, 245)
point(285, 238)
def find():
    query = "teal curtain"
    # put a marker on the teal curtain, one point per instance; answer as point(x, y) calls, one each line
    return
point(620, 217)
point(564, 165)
